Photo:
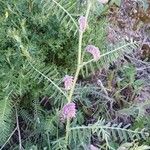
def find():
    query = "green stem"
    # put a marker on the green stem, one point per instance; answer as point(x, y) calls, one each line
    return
point(78, 67)
point(74, 83)
point(48, 140)
point(67, 130)
point(88, 9)
point(77, 72)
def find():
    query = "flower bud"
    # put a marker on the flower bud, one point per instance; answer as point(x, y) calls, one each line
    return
point(94, 51)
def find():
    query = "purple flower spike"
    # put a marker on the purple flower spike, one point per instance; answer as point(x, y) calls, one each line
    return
point(68, 111)
point(94, 51)
point(82, 23)
point(68, 80)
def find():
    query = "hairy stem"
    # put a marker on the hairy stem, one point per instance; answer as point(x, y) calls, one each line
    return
point(79, 61)
point(8, 138)
point(74, 83)
point(78, 67)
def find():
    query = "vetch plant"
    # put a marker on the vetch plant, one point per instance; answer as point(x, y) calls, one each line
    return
point(69, 111)
point(82, 27)
point(55, 109)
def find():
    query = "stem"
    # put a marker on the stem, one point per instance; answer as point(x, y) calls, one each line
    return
point(8, 139)
point(48, 141)
point(88, 9)
point(67, 130)
point(74, 83)
point(19, 133)
point(79, 65)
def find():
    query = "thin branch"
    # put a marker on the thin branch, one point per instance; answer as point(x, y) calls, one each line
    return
point(8, 138)
point(77, 72)
point(103, 87)
point(19, 134)
point(48, 140)
point(137, 60)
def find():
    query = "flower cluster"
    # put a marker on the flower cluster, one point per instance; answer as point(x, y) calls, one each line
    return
point(68, 111)
point(68, 81)
point(94, 51)
point(82, 23)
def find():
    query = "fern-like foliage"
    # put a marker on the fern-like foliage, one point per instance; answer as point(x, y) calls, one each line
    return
point(49, 77)
point(32, 40)
point(90, 96)
point(133, 146)
point(136, 110)
point(105, 131)
point(63, 10)
point(5, 118)
point(108, 55)
point(59, 144)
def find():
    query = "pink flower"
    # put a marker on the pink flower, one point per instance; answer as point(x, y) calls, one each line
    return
point(82, 23)
point(94, 51)
point(68, 111)
point(92, 147)
point(103, 1)
point(68, 80)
